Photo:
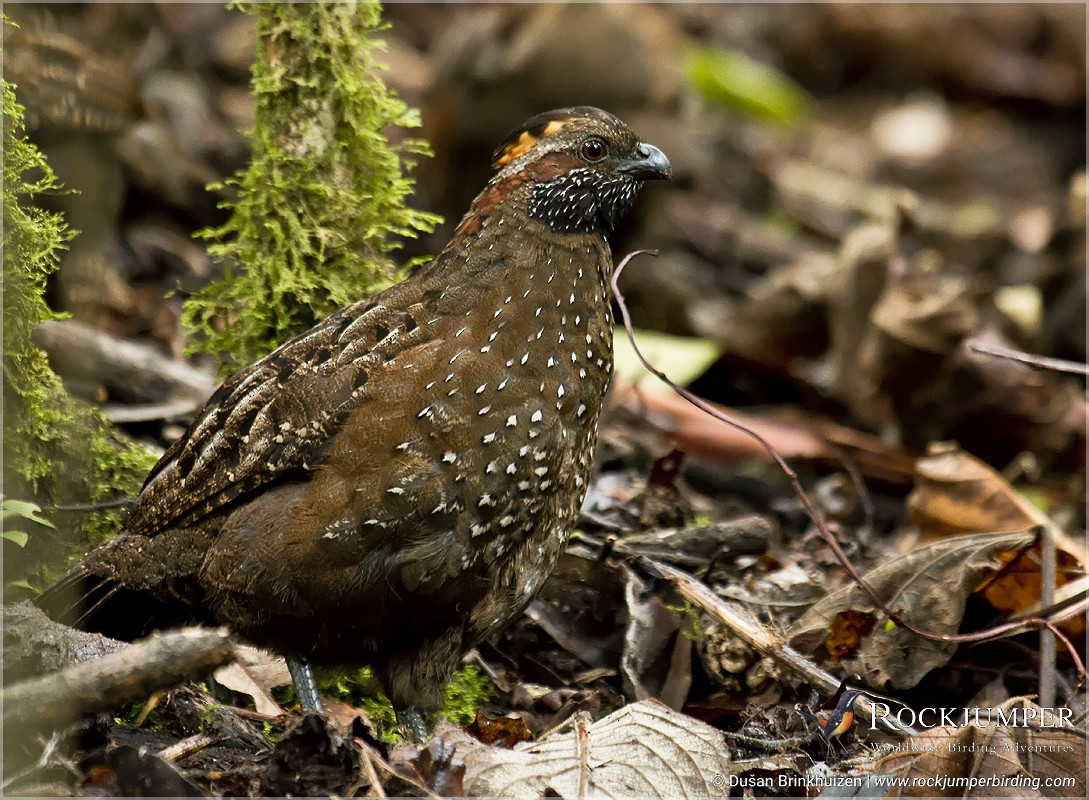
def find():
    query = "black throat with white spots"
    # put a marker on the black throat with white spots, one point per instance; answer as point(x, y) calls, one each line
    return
point(583, 201)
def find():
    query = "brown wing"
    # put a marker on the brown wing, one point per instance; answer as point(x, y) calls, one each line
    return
point(274, 420)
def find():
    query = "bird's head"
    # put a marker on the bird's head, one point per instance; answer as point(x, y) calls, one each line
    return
point(582, 168)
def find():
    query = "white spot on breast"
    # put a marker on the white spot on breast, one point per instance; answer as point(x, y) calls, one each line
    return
point(486, 500)
point(512, 420)
point(483, 411)
point(503, 383)
point(481, 388)
point(541, 471)
point(449, 457)
point(537, 416)
point(511, 468)
point(489, 438)
point(525, 358)
point(395, 490)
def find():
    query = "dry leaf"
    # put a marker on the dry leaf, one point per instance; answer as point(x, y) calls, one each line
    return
point(643, 750)
point(929, 588)
point(254, 674)
point(957, 493)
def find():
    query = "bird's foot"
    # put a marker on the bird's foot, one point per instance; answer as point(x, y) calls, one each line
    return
point(411, 721)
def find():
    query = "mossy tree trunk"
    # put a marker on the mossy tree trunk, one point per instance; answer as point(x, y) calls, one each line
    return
point(323, 199)
point(57, 450)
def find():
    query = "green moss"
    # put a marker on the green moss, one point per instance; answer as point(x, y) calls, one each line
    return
point(154, 721)
point(57, 450)
point(323, 199)
point(692, 629)
point(467, 692)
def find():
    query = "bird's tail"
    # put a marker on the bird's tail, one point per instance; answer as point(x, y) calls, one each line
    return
point(100, 604)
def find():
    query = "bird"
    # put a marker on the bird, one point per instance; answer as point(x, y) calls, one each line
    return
point(394, 485)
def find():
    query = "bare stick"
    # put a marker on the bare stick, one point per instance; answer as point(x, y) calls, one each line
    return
point(756, 635)
point(1043, 362)
point(127, 676)
point(130, 368)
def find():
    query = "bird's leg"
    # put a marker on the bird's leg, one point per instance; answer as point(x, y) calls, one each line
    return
point(305, 685)
point(411, 721)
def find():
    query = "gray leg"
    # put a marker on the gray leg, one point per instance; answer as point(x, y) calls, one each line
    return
point(412, 722)
point(305, 685)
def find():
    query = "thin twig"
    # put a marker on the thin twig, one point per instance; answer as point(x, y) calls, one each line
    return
point(810, 508)
point(188, 746)
point(1043, 362)
point(368, 768)
point(1048, 558)
point(582, 738)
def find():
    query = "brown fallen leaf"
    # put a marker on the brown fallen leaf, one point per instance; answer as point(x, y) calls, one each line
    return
point(848, 628)
point(928, 587)
point(956, 493)
point(795, 437)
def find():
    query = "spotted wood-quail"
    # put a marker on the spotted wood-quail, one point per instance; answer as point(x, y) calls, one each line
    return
point(395, 484)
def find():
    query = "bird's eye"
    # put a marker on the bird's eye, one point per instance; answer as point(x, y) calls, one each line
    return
point(593, 149)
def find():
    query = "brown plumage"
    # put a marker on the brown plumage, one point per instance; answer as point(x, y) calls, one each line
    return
point(395, 484)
